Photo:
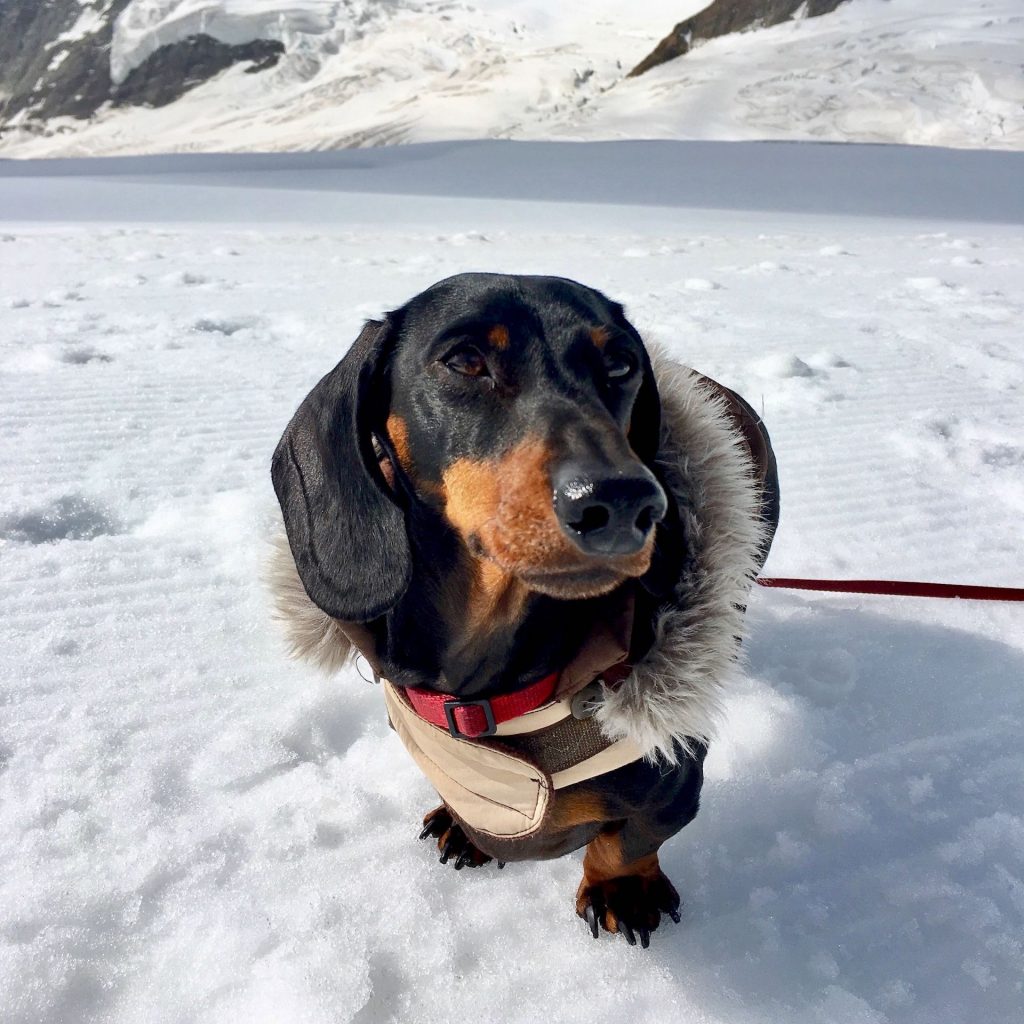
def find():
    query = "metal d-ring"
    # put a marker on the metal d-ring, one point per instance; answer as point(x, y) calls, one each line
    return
point(585, 704)
point(373, 677)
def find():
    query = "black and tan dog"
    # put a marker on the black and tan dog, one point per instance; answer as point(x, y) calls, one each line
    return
point(544, 544)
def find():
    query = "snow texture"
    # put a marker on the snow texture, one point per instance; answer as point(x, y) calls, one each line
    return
point(194, 828)
point(362, 73)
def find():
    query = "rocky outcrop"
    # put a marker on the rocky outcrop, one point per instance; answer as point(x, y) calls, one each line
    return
point(47, 69)
point(174, 69)
point(725, 16)
point(55, 61)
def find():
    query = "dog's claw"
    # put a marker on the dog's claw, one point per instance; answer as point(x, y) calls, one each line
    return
point(452, 842)
point(436, 823)
point(630, 905)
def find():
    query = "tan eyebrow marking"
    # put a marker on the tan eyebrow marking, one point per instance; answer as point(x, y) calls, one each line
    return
point(599, 336)
point(498, 336)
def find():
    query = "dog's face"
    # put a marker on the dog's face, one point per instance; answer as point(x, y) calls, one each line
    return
point(522, 411)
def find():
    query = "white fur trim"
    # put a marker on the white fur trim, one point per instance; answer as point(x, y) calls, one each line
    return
point(311, 634)
point(674, 693)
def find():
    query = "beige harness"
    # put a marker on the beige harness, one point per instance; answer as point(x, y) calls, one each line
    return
point(487, 784)
point(503, 785)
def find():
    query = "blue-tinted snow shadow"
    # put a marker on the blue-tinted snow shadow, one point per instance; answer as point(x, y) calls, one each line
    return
point(811, 178)
point(877, 867)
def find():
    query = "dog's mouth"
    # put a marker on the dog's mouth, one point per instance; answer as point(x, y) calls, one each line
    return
point(562, 578)
point(573, 584)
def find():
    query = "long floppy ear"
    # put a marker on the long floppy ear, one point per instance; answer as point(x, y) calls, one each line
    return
point(346, 534)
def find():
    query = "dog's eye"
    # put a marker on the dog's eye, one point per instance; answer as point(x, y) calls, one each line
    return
point(619, 365)
point(468, 361)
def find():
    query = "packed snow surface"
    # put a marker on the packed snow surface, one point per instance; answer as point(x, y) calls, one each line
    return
point(373, 72)
point(195, 829)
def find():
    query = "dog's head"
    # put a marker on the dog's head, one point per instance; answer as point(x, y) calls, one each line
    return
point(520, 412)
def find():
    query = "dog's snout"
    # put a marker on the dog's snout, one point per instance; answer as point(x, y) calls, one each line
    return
point(608, 513)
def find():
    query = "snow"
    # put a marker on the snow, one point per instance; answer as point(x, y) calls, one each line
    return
point(89, 20)
point(364, 73)
point(194, 828)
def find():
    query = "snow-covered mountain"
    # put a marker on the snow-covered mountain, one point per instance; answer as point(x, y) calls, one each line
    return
point(83, 77)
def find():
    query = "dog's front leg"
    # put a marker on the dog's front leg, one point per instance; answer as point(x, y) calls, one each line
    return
point(452, 841)
point(623, 895)
point(624, 889)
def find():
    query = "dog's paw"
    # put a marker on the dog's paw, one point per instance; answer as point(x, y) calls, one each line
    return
point(452, 842)
point(630, 905)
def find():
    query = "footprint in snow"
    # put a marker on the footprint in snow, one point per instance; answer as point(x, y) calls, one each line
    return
point(185, 279)
point(223, 325)
point(72, 517)
point(785, 366)
point(928, 284)
point(85, 354)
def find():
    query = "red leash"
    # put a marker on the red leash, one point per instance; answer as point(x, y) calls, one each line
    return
point(898, 588)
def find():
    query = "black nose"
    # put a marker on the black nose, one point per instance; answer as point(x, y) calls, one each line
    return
point(608, 513)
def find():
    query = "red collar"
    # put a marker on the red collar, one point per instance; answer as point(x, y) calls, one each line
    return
point(472, 719)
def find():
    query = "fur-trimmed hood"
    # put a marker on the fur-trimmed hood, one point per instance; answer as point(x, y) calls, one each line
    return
point(674, 693)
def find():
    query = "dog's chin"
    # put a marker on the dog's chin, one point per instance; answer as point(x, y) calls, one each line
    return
point(572, 586)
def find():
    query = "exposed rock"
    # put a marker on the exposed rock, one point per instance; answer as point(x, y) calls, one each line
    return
point(725, 16)
point(47, 76)
point(43, 75)
point(174, 69)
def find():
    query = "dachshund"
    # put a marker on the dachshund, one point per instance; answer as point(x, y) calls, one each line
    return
point(541, 535)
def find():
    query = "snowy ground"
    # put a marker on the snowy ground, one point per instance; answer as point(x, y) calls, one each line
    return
point(378, 72)
point(194, 829)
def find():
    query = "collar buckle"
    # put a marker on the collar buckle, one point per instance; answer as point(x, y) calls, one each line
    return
point(457, 731)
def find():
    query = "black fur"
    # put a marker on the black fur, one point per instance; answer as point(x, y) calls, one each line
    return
point(346, 532)
point(386, 556)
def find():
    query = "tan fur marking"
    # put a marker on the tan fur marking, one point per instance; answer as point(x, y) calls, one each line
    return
point(603, 866)
point(603, 861)
point(498, 336)
point(398, 432)
point(505, 507)
point(577, 808)
point(496, 598)
point(599, 336)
